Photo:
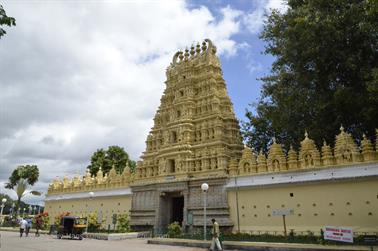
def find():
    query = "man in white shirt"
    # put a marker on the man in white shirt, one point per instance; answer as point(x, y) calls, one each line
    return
point(23, 225)
point(215, 241)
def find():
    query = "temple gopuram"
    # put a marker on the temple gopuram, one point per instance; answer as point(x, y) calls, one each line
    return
point(196, 139)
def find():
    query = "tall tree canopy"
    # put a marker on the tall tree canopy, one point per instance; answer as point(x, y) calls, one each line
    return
point(30, 173)
point(105, 159)
point(325, 73)
point(21, 178)
point(5, 20)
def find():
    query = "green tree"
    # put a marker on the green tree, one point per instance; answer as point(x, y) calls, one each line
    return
point(105, 159)
point(325, 73)
point(21, 178)
point(5, 20)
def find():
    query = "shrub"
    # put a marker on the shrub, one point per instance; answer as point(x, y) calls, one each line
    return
point(93, 225)
point(174, 229)
point(57, 218)
point(123, 223)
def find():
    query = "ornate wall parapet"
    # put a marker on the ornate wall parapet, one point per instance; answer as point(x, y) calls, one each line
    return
point(88, 183)
point(346, 152)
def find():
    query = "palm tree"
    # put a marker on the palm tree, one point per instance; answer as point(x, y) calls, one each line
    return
point(23, 177)
point(21, 188)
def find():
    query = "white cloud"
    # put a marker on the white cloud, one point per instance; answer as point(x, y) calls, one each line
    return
point(76, 77)
point(254, 20)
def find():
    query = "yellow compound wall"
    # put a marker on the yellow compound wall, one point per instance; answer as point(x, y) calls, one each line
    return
point(351, 203)
point(81, 207)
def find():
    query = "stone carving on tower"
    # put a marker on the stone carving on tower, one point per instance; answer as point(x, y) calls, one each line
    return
point(195, 132)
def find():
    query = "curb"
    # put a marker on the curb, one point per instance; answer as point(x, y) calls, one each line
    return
point(115, 236)
point(256, 246)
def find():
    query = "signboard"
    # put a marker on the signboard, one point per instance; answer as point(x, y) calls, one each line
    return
point(190, 218)
point(343, 234)
point(282, 211)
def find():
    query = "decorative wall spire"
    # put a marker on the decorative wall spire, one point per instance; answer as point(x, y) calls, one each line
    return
point(309, 155)
point(276, 158)
point(327, 156)
point(292, 159)
point(368, 153)
point(346, 150)
point(248, 163)
point(112, 172)
point(100, 176)
point(261, 162)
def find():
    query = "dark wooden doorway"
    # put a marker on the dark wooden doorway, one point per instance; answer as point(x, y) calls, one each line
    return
point(177, 213)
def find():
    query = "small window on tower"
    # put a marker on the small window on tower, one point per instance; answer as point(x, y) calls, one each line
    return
point(171, 165)
point(173, 137)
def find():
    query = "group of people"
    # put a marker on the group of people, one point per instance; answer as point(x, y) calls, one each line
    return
point(26, 225)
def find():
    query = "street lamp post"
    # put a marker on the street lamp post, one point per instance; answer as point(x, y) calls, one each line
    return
point(204, 188)
point(12, 209)
point(91, 194)
point(3, 201)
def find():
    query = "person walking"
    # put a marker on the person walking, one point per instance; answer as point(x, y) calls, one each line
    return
point(215, 231)
point(38, 224)
point(28, 226)
point(23, 224)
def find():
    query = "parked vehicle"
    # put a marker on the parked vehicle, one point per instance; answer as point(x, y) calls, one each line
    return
point(71, 226)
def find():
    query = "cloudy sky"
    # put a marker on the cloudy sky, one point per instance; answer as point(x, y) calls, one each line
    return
point(76, 76)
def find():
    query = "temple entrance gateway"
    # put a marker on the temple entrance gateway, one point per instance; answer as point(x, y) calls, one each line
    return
point(172, 208)
point(177, 209)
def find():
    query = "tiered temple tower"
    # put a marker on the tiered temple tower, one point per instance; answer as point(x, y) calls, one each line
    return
point(194, 138)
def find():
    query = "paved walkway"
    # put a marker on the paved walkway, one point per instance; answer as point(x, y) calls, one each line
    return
point(10, 241)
